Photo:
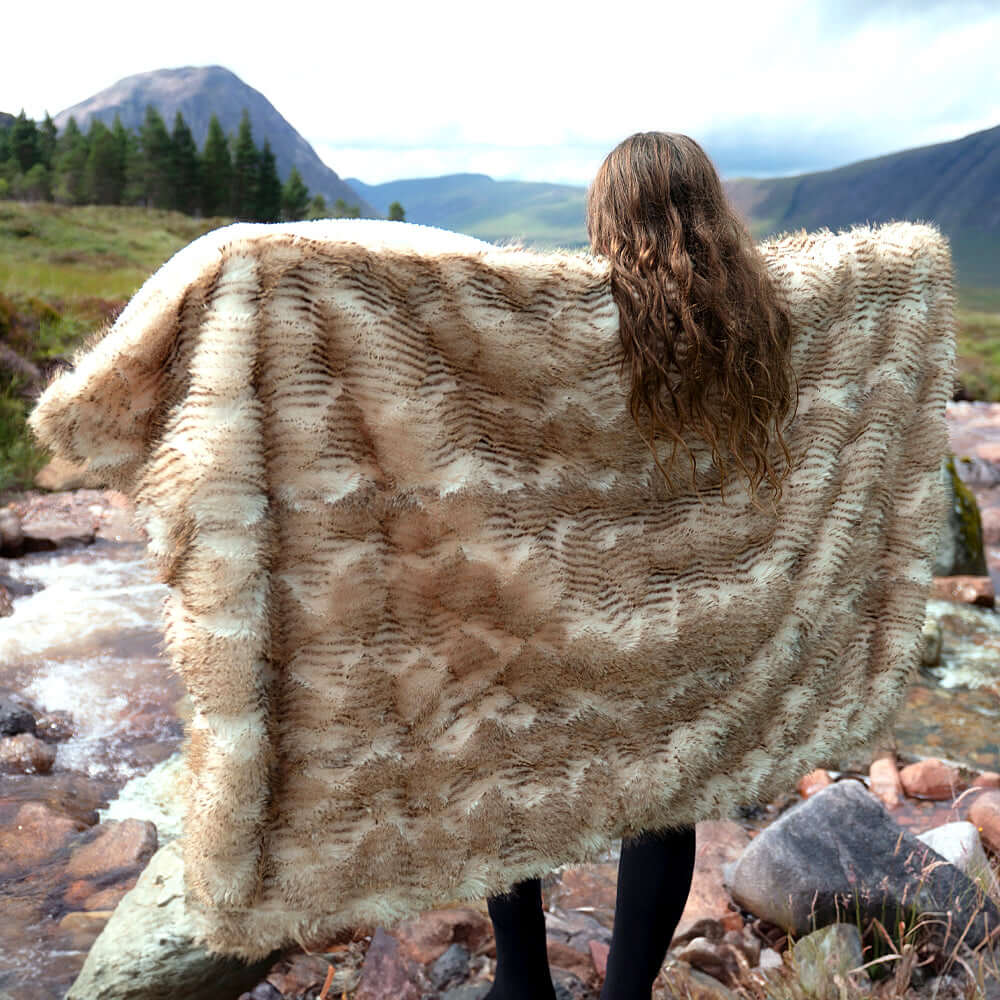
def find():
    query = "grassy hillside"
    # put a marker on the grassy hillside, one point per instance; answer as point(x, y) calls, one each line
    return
point(65, 271)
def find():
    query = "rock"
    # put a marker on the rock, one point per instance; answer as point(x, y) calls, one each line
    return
point(119, 525)
point(451, 966)
point(426, 937)
point(569, 987)
point(984, 814)
point(960, 844)
point(931, 779)
point(812, 782)
point(26, 754)
point(717, 843)
point(15, 719)
point(593, 886)
point(692, 984)
point(711, 957)
point(298, 974)
point(885, 784)
point(744, 942)
point(48, 529)
point(35, 833)
point(599, 952)
point(841, 848)
point(562, 956)
point(54, 727)
point(770, 959)
point(931, 640)
point(147, 951)
point(6, 604)
point(116, 845)
point(961, 548)
point(387, 973)
point(85, 927)
point(108, 899)
point(964, 590)
point(262, 991)
point(986, 779)
point(831, 951)
point(467, 991)
point(11, 535)
point(991, 524)
point(578, 930)
point(59, 475)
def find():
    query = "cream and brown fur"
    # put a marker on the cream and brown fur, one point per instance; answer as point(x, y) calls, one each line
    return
point(443, 626)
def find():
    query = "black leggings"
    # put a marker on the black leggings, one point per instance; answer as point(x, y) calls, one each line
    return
point(654, 878)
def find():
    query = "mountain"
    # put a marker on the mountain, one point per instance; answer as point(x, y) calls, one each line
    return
point(953, 184)
point(540, 214)
point(6, 120)
point(198, 92)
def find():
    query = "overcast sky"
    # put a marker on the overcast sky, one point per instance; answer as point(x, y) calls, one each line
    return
point(535, 90)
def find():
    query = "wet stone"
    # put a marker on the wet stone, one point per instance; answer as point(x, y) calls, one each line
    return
point(451, 966)
point(15, 718)
point(26, 754)
point(931, 779)
point(125, 844)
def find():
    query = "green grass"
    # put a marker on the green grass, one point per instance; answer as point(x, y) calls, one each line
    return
point(978, 350)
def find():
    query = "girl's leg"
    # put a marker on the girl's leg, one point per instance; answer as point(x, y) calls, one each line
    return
point(522, 971)
point(654, 878)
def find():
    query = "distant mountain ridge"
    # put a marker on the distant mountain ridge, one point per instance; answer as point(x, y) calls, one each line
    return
point(198, 92)
point(955, 185)
point(540, 213)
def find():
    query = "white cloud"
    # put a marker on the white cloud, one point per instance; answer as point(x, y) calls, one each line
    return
point(542, 91)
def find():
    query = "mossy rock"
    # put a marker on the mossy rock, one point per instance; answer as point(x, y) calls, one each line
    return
point(961, 552)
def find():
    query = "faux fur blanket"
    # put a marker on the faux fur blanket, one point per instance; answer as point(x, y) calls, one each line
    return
point(443, 624)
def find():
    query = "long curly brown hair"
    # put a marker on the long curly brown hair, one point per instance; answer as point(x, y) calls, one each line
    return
point(705, 331)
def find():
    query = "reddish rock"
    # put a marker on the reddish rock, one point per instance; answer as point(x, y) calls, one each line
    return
point(26, 754)
point(51, 529)
point(813, 782)
point(425, 938)
point(299, 974)
point(599, 955)
point(109, 898)
point(984, 813)
point(718, 842)
point(965, 590)
point(930, 779)
point(991, 525)
point(79, 891)
point(11, 536)
point(36, 832)
point(713, 957)
point(591, 888)
point(128, 843)
point(6, 604)
point(562, 956)
point(885, 783)
point(387, 974)
point(986, 779)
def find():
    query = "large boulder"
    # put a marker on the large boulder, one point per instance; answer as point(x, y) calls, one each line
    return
point(841, 852)
point(961, 551)
point(147, 950)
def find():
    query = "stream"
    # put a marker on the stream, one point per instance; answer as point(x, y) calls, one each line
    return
point(89, 644)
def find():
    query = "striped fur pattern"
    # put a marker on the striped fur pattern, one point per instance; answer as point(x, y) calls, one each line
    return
point(443, 624)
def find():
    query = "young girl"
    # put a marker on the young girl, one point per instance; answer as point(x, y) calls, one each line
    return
point(705, 340)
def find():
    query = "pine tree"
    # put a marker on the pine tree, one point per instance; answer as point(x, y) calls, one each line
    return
point(130, 163)
point(48, 135)
point(268, 200)
point(294, 197)
point(216, 171)
point(157, 156)
point(396, 212)
point(186, 175)
point(246, 165)
point(23, 141)
point(317, 207)
point(70, 157)
point(104, 178)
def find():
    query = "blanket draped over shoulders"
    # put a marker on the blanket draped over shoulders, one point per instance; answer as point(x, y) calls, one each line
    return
point(443, 624)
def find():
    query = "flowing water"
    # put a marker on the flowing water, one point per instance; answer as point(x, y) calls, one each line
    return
point(89, 644)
